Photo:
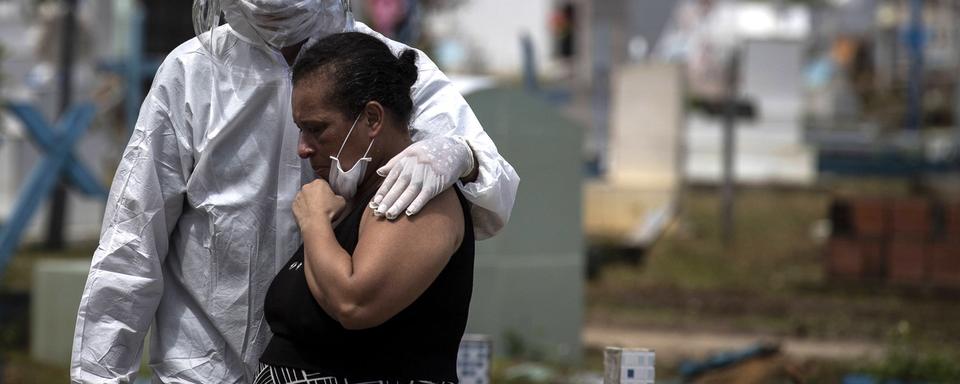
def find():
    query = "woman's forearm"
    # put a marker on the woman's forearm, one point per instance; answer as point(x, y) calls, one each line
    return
point(328, 269)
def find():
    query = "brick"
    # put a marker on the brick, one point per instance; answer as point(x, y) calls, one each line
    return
point(911, 217)
point(874, 259)
point(855, 259)
point(844, 259)
point(952, 224)
point(869, 217)
point(906, 261)
point(945, 263)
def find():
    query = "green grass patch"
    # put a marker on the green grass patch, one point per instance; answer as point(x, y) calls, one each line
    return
point(772, 247)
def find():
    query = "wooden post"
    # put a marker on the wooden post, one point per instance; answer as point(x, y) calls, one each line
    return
point(729, 150)
point(58, 204)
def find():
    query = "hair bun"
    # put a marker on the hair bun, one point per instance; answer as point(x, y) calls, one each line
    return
point(407, 65)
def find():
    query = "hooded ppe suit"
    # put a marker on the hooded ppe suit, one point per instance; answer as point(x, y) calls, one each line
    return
point(199, 219)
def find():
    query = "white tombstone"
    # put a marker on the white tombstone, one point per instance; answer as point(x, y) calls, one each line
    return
point(57, 286)
point(772, 77)
point(629, 366)
point(637, 198)
point(771, 147)
point(646, 118)
point(474, 359)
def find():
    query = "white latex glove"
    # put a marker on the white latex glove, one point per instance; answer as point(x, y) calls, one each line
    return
point(421, 172)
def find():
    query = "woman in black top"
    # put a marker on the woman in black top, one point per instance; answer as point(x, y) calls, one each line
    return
point(365, 299)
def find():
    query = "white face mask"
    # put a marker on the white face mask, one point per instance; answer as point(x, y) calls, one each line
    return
point(345, 183)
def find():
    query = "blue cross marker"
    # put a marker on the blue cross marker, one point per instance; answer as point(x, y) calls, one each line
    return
point(58, 143)
point(41, 133)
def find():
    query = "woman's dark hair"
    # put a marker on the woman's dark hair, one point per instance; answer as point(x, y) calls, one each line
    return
point(362, 70)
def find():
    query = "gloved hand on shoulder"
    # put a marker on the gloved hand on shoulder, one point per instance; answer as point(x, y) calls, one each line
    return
point(421, 172)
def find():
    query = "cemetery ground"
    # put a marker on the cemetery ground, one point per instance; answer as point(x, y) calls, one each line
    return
point(693, 297)
point(769, 285)
point(17, 366)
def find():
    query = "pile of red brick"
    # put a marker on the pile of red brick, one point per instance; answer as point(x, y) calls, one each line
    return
point(910, 241)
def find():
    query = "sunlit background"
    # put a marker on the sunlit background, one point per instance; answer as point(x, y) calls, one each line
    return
point(758, 191)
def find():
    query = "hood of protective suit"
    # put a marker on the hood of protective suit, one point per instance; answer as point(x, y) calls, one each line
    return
point(284, 23)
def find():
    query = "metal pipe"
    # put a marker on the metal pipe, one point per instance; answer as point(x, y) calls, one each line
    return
point(729, 149)
point(916, 42)
point(59, 206)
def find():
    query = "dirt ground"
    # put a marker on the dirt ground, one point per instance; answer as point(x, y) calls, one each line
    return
point(829, 315)
point(691, 294)
point(673, 345)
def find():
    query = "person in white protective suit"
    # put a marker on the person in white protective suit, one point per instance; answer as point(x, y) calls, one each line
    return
point(199, 218)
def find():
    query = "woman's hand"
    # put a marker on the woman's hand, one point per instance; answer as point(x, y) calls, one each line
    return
point(316, 201)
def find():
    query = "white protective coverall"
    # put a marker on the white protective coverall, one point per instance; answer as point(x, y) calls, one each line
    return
point(199, 218)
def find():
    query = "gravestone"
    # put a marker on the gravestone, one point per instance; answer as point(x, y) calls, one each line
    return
point(528, 285)
point(55, 298)
point(770, 148)
point(645, 126)
point(57, 286)
point(629, 366)
point(637, 198)
point(475, 359)
point(772, 77)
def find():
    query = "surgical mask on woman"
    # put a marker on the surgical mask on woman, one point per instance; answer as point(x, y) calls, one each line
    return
point(345, 183)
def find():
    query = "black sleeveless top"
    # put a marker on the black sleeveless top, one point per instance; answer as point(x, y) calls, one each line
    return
point(419, 343)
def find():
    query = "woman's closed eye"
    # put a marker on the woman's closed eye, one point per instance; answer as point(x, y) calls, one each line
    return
point(313, 129)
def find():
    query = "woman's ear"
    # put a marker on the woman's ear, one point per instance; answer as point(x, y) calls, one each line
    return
point(373, 117)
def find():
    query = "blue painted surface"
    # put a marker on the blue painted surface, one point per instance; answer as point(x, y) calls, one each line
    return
point(915, 37)
point(43, 178)
point(881, 164)
point(691, 369)
point(860, 378)
point(45, 137)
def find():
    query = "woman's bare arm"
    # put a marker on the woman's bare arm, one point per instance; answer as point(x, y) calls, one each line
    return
point(393, 264)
